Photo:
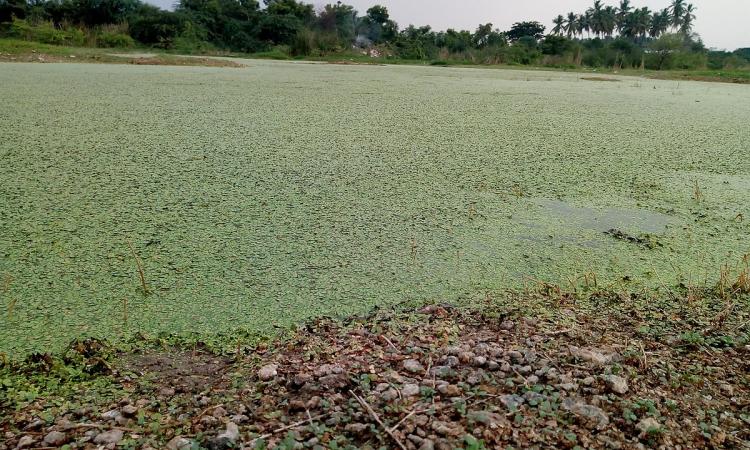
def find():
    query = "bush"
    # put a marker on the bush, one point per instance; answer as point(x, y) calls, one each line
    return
point(45, 32)
point(114, 40)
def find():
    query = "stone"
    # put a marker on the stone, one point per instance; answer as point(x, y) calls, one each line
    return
point(479, 361)
point(356, 428)
point(648, 425)
point(413, 366)
point(449, 390)
point(268, 372)
point(592, 355)
point(129, 411)
point(389, 395)
point(427, 444)
point(616, 384)
point(111, 415)
point(410, 390)
point(511, 401)
point(55, 439)
point(108, 437)
point(591, 415)
point(507, 325)
point(179, 443)
point(25, 442)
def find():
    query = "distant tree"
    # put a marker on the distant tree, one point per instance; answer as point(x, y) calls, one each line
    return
point(664, 49)
point(339, 20)
point(556, 45)
point(660, 22)
point(571, 25)
point(687, 19)
point(677, 9)
point(526, 29)
point(559, 25)
point(622, 13)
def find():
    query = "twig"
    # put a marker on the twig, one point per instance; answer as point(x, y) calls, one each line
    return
point(140, 269)
point(377, 419)
point(101, 427)
point(287, 427)
point(555, 333)
point(203, 413)
point(413, 411)
point(389, 342)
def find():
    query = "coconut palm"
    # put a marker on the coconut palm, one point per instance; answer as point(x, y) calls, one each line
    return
point(559, 25)
point(660, 23)
point(571, 25)
point(609, 20)
point(596, 15)
point(622, 13)
point(678, 13)
point(687, 19)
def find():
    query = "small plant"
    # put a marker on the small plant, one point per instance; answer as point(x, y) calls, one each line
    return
point(697, 192)
point(139, 266)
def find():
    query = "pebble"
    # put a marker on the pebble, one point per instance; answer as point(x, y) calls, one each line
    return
point(109, 437)
point(511, 401)
point(268, 372)
point(616, 384)
point(648, 424)
point(25, 442)
point(450, 390)
point(55, 439)
point(129, 410)
point(413, 366)
point(410, 390)
point(179, 443)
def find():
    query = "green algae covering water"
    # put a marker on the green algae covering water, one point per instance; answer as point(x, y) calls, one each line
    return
point(261, 196)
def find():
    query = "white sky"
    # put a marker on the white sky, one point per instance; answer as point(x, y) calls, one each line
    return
point(722, 24)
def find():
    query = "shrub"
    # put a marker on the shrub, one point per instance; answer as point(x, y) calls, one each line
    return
point(45, 32)
point(114, 40)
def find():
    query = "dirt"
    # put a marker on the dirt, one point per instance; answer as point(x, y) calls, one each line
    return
point(436, 377)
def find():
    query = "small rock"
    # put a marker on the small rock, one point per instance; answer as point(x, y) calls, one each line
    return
point(511, 401)
point(334, 381)
point(592, 355)
point(225, 440)
point(507, 325)
point(452, 361)
point(413, 366)
point(588, 381)
point(591, 414)
point(219, 412)
point(648, 425)
point(453, 350)
point(479, 361)
point(466, 357)
point(515, 356)
point(410, 390)
point(727, 388)
point(427, 444)
point(179, 443)
point(301, 378)
point(25, 442)
point(616, 384)
point(108, 437)
point(129, 411)
point(55, 439)
point(355, 428)
point(35, 425)
point(111, 415)
point(389, 395)
point(449, 390)
point(239, 418)
point(268, 372)
point(166, 392)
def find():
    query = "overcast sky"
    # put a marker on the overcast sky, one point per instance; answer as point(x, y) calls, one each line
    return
point(721, 23)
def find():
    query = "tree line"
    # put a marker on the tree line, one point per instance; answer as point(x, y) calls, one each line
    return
point(603, 35)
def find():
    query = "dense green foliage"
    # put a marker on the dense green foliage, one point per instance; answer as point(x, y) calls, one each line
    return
point(603, 36)
point(269, 194)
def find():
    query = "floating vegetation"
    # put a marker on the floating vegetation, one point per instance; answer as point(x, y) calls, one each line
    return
point(257, 197)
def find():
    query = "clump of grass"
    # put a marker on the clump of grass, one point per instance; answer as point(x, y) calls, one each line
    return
point(139, 266)
point(697, 193)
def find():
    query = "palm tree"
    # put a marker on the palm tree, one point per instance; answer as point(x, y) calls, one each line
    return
point(622, 13)
point(596, 15)
point(585, 22)
point(609, 20)
point(678, 12)
point(660, 23)
point(559, 25)
point(571, 25)
point(638, 24)
point(687, 19)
